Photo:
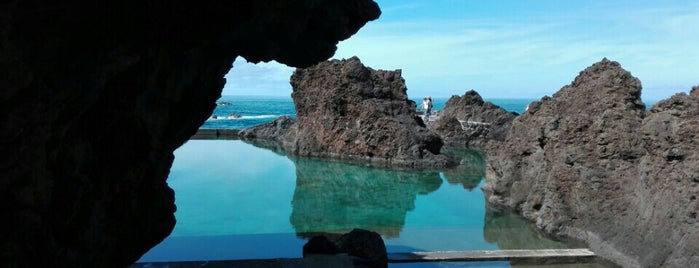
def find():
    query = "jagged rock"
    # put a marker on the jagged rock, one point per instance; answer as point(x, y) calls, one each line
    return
point(471, 107)
point(348, 111)
point(592, 164)
point(96, 96)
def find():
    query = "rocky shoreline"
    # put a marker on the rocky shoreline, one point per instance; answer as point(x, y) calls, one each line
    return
point(98, 96)
point(589, 163)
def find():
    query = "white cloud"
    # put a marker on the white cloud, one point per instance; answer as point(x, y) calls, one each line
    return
point(269, 78)
point(500, 57)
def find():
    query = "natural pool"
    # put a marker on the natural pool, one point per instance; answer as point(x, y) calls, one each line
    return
point(239, 201)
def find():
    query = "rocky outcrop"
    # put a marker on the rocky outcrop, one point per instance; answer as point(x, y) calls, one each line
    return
point(489, 121)
point(270, 131)
point(591, 163)
point(345, 110)
point(96, 96)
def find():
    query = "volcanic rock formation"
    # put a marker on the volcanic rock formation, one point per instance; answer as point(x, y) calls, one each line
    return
point(348, 111)
point(95, 97)
point(490, 122)
point(591, 163)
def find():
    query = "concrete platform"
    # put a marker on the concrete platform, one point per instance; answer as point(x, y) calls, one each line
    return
point(518, 255)
point(540, 256)
point(215, 134)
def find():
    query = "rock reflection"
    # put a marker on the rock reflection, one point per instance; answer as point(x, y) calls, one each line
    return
point(470, 170)
point(510, 231)
point(334, 197)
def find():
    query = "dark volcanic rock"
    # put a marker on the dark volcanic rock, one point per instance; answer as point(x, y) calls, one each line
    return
point(268, 131)
point(366, 246)
point(97, 95)
point(348, 111)
point(592, 164)
point(471, 107)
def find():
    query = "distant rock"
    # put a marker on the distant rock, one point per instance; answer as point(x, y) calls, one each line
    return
point(490, 121)
point(348, 111)
point(592, 164)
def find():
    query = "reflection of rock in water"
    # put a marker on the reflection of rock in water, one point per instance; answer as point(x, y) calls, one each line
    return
point(470, 170)
point(333, 197)
point(511, 231)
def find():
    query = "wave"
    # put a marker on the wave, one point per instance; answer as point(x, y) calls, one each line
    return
point(245, 117)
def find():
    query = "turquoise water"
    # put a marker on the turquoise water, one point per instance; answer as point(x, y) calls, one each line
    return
point(238, 201)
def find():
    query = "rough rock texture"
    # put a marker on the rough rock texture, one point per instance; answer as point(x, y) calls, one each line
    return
point(95, 97)
point(348, 111)
point(269, 131)
point(471, 107)
point(592, 164)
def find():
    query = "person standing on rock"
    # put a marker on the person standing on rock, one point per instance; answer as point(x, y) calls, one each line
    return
point(427, 107)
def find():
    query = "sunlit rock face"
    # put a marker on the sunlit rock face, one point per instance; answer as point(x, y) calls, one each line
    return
point(492, 121)
point(96, 96)
point(593, 164)
point(347, 110)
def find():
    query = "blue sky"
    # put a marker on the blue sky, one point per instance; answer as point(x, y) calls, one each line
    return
point(511, 49)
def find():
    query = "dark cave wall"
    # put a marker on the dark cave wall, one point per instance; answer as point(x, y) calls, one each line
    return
point(95, 97)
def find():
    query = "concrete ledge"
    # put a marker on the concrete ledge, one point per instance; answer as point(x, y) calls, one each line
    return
point(540, 256)
point(314, 261)
point(543, 255)
point(215, 134)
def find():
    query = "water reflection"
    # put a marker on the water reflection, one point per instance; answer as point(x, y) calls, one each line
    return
point(510, 231)
point(333, 197)
point(471, 168)
point(237, 201)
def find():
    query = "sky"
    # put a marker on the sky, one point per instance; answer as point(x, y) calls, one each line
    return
point(511, 48)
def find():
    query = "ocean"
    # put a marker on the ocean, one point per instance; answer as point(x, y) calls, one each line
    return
point(240, 112)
